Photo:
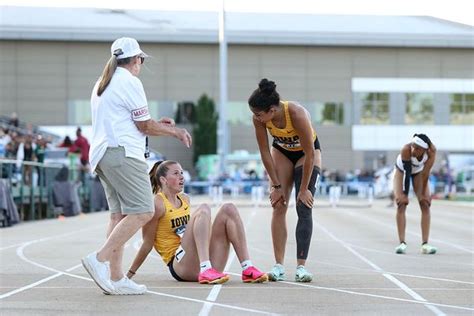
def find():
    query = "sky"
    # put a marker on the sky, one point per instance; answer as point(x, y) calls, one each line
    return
point(453, 10)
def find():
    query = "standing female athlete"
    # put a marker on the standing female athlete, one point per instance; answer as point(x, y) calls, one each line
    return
point(192, 249)
point(295, 156)
point(414, 165)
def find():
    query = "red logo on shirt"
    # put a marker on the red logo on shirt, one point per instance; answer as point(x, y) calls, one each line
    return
point(141, 112)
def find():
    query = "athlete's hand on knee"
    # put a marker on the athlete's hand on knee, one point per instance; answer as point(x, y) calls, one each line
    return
point(426, 199)
point(276, 196)
point(403, 200)
point(305, 197)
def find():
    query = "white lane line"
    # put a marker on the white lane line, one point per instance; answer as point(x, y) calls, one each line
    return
point(214, 304)
point(389, 277)
point(331, 264)
point(58, 273)
point(35, 284)
point(379, 296)
point(351, 213)
point(12, 246)
point(20, 252)
point(430, 278)
point(206, 309)
point(410, 257)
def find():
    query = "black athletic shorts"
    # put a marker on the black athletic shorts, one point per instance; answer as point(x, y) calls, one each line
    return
point(173, 273)
point(294, 156)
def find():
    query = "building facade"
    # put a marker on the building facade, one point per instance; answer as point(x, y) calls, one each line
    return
point(353, 88)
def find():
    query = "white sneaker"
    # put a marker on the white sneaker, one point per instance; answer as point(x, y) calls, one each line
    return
point(99, 271)
point(302, 275)
point(428, 249)
point(125, 286)
point(401, 249)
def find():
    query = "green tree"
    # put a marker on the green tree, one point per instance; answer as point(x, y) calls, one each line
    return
point(205, 128)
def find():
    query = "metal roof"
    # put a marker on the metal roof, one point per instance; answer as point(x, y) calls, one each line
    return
point(88, 24)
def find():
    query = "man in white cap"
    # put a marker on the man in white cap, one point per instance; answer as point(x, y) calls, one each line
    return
point(121, 123)
point(413, 165)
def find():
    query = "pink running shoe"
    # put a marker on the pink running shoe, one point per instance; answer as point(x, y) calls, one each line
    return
point(212, 276)
point(253, 275)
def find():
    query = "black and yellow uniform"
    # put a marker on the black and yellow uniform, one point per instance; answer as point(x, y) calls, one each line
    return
point(171, 228)
point(287, 140)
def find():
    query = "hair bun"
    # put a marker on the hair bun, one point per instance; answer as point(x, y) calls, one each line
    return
point(266, 86)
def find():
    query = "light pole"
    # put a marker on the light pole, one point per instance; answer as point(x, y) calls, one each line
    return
point(222, 132)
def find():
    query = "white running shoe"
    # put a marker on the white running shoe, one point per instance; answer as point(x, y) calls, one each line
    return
point(125, 286)
point(99, 271)
point(302, 275)
point(401, 249)
point(277, 273)
point(428, 249)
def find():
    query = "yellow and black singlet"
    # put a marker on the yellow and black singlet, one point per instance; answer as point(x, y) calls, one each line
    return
point(287, 137)
point(171, 227)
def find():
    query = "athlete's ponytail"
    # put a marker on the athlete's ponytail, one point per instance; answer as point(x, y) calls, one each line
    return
point(159, 169)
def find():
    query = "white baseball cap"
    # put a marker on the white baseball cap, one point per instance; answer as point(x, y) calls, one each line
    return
point(125, 47)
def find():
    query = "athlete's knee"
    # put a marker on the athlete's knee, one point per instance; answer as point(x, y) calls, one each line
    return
point(116, 217)
point(424, 204)
point(229, 209)
point(203, 210)
point(303, 211)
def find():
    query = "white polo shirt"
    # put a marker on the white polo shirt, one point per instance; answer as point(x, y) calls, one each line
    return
point(113, 115)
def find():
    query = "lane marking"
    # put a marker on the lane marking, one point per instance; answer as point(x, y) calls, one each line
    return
point(206, 309)
point(351, 213)
point(213, 304)
point(58, 273)
point(423, 258)
point(12, 246)
point(380, 296)
point(389, 277)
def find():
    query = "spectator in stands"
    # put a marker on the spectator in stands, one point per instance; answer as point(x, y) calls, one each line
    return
point(82, 145)
point(26, 153)
point(120, 124)
point(40, 151)
point(14, 121)
point(67, 143)
point(4, 140)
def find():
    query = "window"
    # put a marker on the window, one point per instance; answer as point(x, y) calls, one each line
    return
point(462, 109)
point(238, 113)
point(419, 109)
point(375, 108)
point(79, 111)
point(328, 113)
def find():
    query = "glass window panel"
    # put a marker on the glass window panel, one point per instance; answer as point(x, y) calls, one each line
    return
point(79, 112)
point(328, 113)
point(469, 98)
point(419, 109)
point(239, 113)
point(375, 108)
point(462, 109)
